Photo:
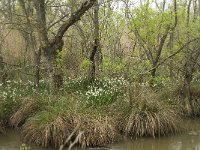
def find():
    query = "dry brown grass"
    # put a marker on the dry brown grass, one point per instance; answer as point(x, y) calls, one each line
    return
point(50, 131)
point(47, 128)
point(150, 116)
point(98, 131)
point(27, 108)
point(185, 107)
point(177, 94)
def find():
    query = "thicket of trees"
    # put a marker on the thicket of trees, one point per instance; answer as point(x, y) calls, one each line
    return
point(146, 42)
point(153, 28)
point(137, 38)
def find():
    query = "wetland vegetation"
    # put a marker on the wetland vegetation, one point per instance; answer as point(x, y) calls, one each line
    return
point(92, 73)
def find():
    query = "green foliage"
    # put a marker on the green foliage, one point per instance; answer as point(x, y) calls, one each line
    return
point(113, 68)
point(100, 92)
point(10, 96)
point(59, 55)
point(196, 79)
point(159, 82)
point(103, 92)
point(150, 23)
point(24, 147)
point(13, 93)
point(85, 64)
point(135, 72)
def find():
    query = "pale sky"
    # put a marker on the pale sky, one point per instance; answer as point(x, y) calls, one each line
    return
point(135, 3)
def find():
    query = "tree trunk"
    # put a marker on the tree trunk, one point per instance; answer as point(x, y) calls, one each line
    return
point(153, 72)
point(187, 85)
point(54, 86)
point(51, 48)
point(2, 70)
point(37, 58)
point(55, 71)
point(30, 39)
point(92, 59)
point(188, 74)
point(95, 56)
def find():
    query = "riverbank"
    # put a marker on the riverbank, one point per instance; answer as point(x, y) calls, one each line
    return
point(190, 139)
point(93, 115)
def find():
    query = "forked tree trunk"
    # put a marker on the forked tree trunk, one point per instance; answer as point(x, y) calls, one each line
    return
point(50, 48)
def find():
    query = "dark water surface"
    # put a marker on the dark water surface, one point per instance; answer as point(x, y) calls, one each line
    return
point(189, 140)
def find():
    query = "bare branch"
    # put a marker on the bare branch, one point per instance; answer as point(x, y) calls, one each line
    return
point(74, 18)
point(172, 55)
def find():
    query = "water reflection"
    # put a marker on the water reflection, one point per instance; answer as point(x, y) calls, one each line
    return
point(185, 141)
point(189, 140)
point(181, 142)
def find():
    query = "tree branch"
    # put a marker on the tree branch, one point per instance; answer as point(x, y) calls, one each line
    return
point(74, 18)
point(172, 55)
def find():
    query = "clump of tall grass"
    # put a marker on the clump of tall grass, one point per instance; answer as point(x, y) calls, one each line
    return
point(177, 95)
point(47, 129)
point(97, 131)
point(49, 126)
point(27, 107)
point(58, 119)
point(148, 115)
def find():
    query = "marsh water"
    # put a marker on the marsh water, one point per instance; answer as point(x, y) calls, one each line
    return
point(189, 140)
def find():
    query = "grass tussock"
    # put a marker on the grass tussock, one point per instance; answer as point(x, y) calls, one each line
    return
point(27, 108)
point(97, 131)
point(185, 107)
point(58, 119)
point(45, 129)
point(178, 96)
point(149, 116)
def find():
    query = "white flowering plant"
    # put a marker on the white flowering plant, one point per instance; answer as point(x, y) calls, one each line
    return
point(12, 93)
point(98, 93)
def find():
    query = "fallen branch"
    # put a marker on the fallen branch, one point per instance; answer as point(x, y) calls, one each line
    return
point(76, 140)
point(70, 136)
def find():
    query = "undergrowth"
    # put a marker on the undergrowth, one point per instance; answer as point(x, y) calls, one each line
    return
point(105, 109)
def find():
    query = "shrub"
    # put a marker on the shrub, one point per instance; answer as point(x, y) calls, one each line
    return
point(11, 96)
